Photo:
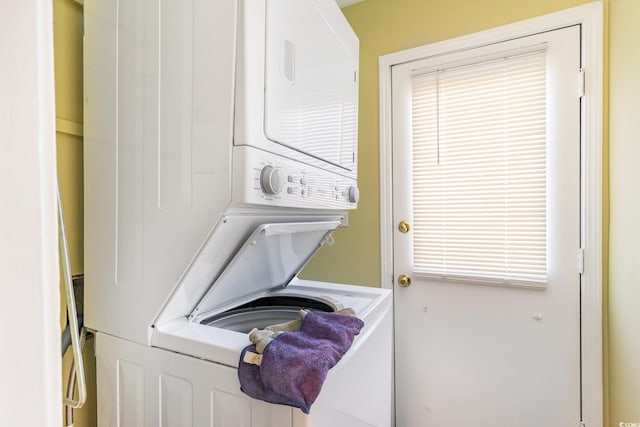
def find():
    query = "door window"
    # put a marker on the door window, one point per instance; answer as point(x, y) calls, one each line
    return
point(479, 169)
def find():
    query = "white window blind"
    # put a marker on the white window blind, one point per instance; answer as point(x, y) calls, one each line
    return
point(480, 171)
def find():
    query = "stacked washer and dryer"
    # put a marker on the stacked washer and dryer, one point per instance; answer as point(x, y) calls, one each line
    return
point(220, 155)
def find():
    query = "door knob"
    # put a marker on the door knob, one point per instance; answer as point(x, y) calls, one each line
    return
point(404, 226)
point(404, 281)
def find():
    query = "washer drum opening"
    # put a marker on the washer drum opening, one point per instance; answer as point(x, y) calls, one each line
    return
point(266, 311)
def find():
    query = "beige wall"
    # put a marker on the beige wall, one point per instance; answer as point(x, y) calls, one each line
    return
point(67, 17)
point(624, 280)
point(386, 26)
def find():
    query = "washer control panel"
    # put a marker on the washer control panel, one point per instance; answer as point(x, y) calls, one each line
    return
point(272, 180)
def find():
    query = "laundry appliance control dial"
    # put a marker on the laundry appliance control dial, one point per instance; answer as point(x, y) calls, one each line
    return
point(272, 180)
point(354, 194)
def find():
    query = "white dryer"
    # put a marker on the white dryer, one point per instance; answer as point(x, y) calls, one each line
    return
point(220, 154)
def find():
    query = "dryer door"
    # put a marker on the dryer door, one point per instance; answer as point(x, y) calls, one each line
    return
point(271, 257)
point(311, 86)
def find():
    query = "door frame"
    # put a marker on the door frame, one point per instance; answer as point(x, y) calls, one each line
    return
point(590, 18)
point(31, 372)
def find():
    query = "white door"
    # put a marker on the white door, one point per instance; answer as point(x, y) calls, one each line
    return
point(477, 345)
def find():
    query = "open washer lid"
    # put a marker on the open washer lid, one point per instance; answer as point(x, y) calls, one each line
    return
point(270, 258)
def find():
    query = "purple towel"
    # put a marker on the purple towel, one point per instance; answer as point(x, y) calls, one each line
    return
point(295, 364)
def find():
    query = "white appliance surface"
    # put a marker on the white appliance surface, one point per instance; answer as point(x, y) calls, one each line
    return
point(175, 144)
point(301, 101)
point(310, 83)
point(269, 259)
point(222, 345)
point(147, 386)
point(220, 154)
point(264, 266)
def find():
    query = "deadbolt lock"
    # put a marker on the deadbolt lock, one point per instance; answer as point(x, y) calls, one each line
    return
point(404, 281)
point(404, 226)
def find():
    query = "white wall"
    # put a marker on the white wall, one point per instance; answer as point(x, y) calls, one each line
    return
point(30, 386)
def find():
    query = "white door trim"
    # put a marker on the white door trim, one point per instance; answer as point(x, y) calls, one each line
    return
point(30, 368)
point(590, 17)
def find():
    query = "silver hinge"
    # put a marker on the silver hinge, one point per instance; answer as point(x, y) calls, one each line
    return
point(581, 82)
point(328, 240)
point(580, 261)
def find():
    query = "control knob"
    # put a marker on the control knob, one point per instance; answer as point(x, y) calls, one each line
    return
point(272, 180)
point(354, 194)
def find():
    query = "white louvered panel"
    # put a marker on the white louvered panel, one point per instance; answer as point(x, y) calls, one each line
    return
point(480, 171)
point(329, 116)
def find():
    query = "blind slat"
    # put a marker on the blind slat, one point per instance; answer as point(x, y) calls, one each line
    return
point(479, 170)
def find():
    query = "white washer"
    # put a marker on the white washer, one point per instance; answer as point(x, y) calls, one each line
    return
point(146, 386)
point(189, 378)
point(220, 154)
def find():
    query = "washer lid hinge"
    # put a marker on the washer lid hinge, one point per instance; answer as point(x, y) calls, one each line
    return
point(328, 240)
